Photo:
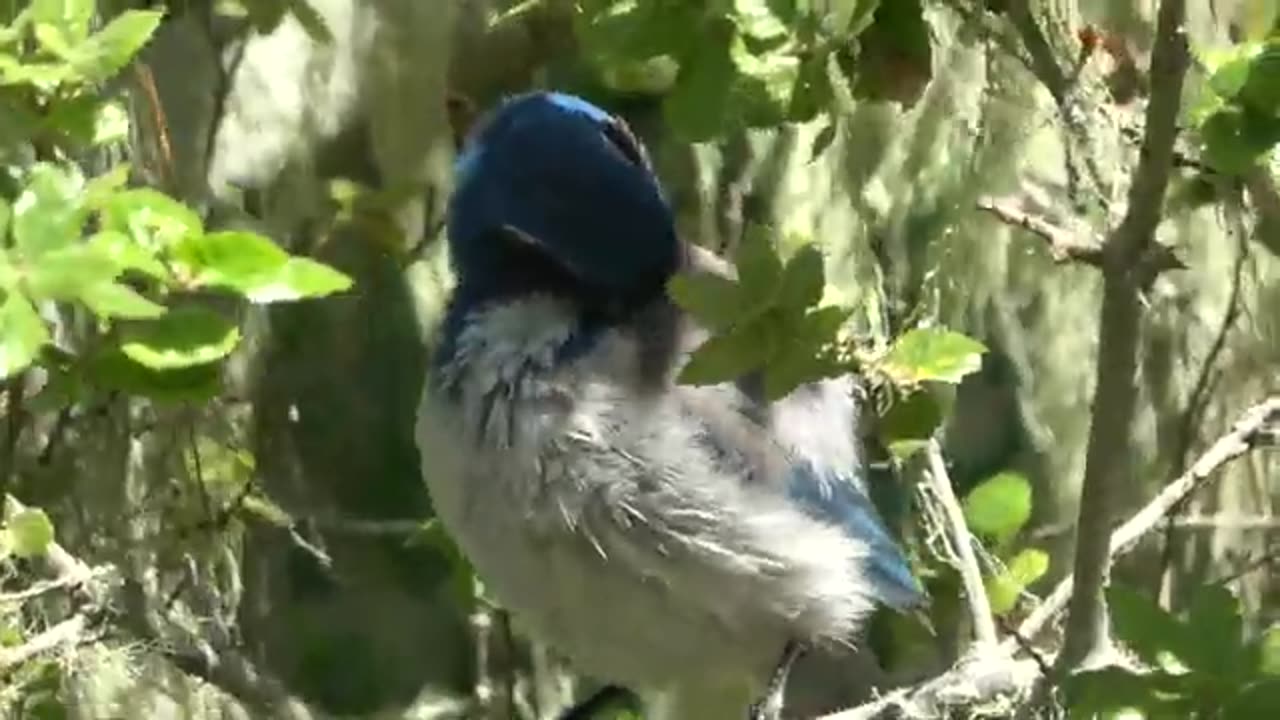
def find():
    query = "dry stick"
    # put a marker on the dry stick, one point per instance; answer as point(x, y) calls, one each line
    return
point(68, 632)
point(1108, 461)
point(984, 626)
point(1248, 432)
point(1063, 244)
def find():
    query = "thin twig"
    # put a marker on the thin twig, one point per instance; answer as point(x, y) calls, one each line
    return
point(68, 632)
point(1064, 246)
point(66, 582)
point(1255, 428)
point(984, 626)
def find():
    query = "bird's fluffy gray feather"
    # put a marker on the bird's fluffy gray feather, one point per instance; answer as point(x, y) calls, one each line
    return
point(643, 528)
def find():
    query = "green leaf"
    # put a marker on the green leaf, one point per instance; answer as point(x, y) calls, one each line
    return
point(1025, 568)
point(763, 85)
point(113, 370)
point(6, 214)
point(1261, 91)
point(183, 337)
point(1257, 700)
point(697, 108)
point(811, 95)
point(30, 532)
point(47, 214)
point(70, 16)
point(1230, 70)
point(999, 506)
point(300, 278)
point(714, 300)
point(1146, 628)
point(22, 334)
point(1215, 621)
point(1268, 651)
point(65, 273)
point(256, 267)
point(113, 300)
point(1107, 690)
point(153, 219)
point(914, 417)
point(1235, 139)
point(933, 354)
point(759, 268)
point(106, 52)
point(803, 279)
point(804, 353)
point(729, 356)
point(125, 254)
point(88, 121)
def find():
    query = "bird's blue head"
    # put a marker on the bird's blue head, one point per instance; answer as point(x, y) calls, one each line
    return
point(553, 194)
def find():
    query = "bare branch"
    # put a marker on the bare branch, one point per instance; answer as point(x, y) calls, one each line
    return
point(1257, 427)
point(1108, 461)
point(1064, 246)
point(984, 626)
point(68, 581)
point(987, 677)
point(68, 632)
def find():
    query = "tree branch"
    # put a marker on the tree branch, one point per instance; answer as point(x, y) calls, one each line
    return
point(1064, 246)
point(984, 626)
point(1108, 461)
point(1258, 426)
point(68, 632)
point(990, 676)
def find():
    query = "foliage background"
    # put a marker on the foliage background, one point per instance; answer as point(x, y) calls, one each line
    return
point(284, 523)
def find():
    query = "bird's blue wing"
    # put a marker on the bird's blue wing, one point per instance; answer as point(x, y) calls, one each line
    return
point(817, 424)
point(833, 497)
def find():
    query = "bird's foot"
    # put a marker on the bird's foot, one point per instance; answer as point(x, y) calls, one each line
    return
point(769, 707)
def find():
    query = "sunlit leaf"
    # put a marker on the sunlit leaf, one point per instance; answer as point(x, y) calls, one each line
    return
point(30, 532)
point(999, 506)
point(933, 354)
point(299, 278)
point(47, 214)
point(64, 273)
point(124, 253)
point(107, 51)
point(183, 337)
point(1007, 587)
point(152, 218)
point(256, 267)
point(113, 300)
point(1268, 647)
point(22, 333)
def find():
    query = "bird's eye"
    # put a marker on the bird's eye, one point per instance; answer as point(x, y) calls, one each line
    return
point(619, 134)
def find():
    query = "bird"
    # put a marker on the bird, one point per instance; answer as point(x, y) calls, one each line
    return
point(685, 542)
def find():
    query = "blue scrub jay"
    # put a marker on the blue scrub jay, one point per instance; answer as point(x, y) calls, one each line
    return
point(682, 541)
